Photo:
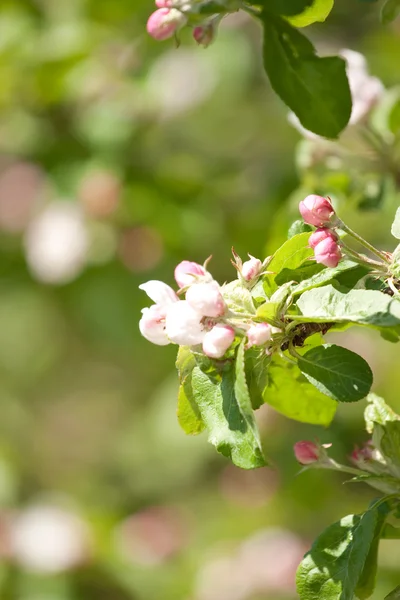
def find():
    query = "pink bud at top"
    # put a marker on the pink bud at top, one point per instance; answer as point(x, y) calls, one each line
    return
point(206, 298)
point(164, 22)
point(328, 253)
point(204, 35)
point(164, 3)
point(152, 325)
point(186, 273)
point(183, 324)
point(259, 334)
point(316, 210)
point(307, 453)
point(251, 268)
point(321, 234)
point(217, 341)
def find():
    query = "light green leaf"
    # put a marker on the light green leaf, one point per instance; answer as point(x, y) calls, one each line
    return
point(384, 483)
point(290, 393)
point(188, 413)
point(284, 7)
point(228, 430)
point(366, 307)
point(396, 225)
point(238, 298)
point(337, 372)
point(390, 11)
point(323, 276)
point(387, 439)
point(315, 89)
point(394, 595)
point(298, 227)
point(291, 255)
point(377, 411)
point(318, 11)
point(334, 569)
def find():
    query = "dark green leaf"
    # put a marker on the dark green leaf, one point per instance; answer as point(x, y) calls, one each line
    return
point(291, 255)
point(366, 307)
point(337, 372)
point(324, 275)
point(336, 566)
point(315, 89)
point(228, 430)
point(290, 393)
point(390, 11)
point(256, 366)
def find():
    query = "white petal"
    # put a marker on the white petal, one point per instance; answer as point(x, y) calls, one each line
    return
point(152, 326)
point(159, 292)
point(183, 324)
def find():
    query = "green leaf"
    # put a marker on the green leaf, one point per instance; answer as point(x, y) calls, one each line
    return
point(318, 11)
point(384, 483)
point(238, 298)
point(394, 117)
point(366, 307)
point(387, 439)
point(256, 365)
point(323, 276)
point(228, 430)
point(291, 255)
point(188, 413)
point(284, 7)
point(377, 411)
point(289, 393)
point(298, 227)
point(315, 89)
point(390, 11)
point(336, 568)
point(394, 595)
point(396, 225)
point(337, 372)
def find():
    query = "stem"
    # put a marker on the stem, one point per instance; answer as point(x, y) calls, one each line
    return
point(334, 466)
point(363, 260)
point(363, 242)
point(393, 287)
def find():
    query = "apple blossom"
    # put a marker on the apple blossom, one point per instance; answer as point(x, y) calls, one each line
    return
point(306, 452)
point(206, 298)
point(152, 325)
point(186, 273)
point(251, 268)
point(259, 334)
point(328, 252)
point(183, 324)
point(316, 210)
point(217, 341)
point(165, 22)
point(159, 292)
point(320, 235)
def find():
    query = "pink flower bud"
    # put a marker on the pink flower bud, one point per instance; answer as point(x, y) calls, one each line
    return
point(152, 325)
point(307, 453)
point(205, 35)
point(259, 334)
point(316, 210)
point(164, 3)
point(164, 22)
point(361, 455)
point(321, 234)
point(251, 268)
point(217, 341)
point(186, 273)
point(183, 325)
point(328, 253)
point(206, 298)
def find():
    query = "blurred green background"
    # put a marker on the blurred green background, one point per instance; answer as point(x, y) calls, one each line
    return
point(120, 157)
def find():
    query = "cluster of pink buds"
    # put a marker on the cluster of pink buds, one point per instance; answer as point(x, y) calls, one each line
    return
point(318, 211)
point(204, 316)
point(172, 15)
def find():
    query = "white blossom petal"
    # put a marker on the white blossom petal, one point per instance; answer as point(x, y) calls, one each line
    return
point(183, 324)
point(159, 292)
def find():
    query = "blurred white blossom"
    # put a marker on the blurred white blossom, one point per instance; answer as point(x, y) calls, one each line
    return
point(48, 539)
point(57, 243)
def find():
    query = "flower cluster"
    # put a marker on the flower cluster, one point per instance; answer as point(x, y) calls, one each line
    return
point(206, 316)
point(172, 15)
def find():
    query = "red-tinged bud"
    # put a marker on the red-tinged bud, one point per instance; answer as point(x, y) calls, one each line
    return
point(316, 210)
point(251, 268)
point(206, 298)
point(165, 22)
point(328, 252)
point(217, 341)
point(307, 453)
point(259, 334)
point(186, 273)
point(321, 234)
point(363, 454)
point(204, 35)
point(164, 3)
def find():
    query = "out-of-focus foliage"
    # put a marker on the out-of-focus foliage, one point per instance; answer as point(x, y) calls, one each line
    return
point(119, 157)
